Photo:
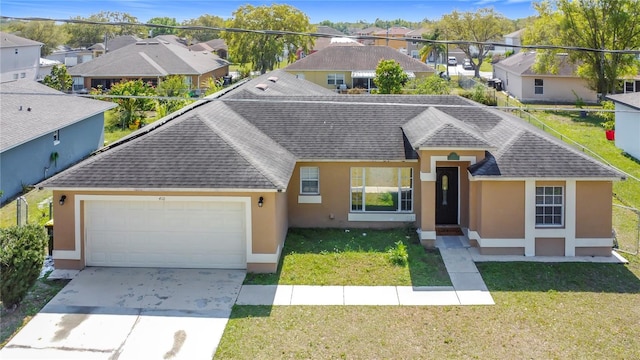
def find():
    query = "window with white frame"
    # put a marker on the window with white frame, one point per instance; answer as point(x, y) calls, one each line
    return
point(309, 181)
point(549, 206)
point(538, 86)
point(335, 79)
point(380, 189)
point(56, 137)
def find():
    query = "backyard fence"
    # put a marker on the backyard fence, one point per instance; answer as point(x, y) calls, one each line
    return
point(22, 211)
point(626, 229)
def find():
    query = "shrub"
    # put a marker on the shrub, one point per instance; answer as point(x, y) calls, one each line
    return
point(21, 258)
point(398, 255)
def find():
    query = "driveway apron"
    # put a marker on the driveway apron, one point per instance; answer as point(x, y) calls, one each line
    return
point(132, 313)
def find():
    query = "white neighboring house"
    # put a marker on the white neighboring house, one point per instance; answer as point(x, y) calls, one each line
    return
point(45, 68)
point(627, 122)
point(19, 58)
point(514, 38)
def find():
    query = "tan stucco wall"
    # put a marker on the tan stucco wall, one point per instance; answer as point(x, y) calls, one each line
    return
point(502, 207)
point(320, 77)
point(268, 223)
point(594, 209)
point(549, 246)
point(396, 44)
point(593, 251)
point(335, 190)
point(557, 89)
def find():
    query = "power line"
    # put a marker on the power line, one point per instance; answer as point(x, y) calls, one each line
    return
point(323, 35)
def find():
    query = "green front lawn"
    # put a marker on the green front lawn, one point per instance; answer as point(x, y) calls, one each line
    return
point(38, 201)
point(542, 311)
point(353, 257)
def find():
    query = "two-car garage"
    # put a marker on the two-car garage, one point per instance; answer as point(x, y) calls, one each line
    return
point(178, 232)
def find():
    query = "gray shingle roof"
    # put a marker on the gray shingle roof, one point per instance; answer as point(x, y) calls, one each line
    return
point(50, 110)
point(10, 40)
point(354, 58)
point(278, 83)
point(253, 142)
point(522, 64)
point(629, 99)
point(151, 57)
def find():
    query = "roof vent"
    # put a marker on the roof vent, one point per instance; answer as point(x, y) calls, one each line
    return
point(262, 87)
point(273, 78)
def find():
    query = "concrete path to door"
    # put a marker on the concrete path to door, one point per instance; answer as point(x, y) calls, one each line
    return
point(126, 313)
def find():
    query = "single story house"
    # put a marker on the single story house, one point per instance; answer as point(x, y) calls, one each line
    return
point(215, 46)
point(220, 184)
point(150, 60)
point(627, 108)
point(44, 131)
point(522, 82)
point(349, 65)
point(394, 37)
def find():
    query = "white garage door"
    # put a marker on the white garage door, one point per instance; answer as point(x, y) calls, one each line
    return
point(179, 234)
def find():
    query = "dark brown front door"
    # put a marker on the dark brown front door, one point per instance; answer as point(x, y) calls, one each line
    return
point(447, 196)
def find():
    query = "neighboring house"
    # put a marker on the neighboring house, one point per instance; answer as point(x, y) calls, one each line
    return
point(220, 184)
point(322, 42)
point(345, 65)
point(44, 131)
point(412, 46)
point(45, 68)
point(216, 46)
point(631, 84)
point(70, 57)
point(627, 121)
point(150, 60)
point(514, 38)
point(19, 58)
point(393, 37)
point(519, 80)
point(365, 34)
point(112, 44)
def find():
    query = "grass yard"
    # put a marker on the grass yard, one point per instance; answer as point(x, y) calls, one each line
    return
point(356, 257)
point(8, 212)
point(542, 311)
point(38, 296)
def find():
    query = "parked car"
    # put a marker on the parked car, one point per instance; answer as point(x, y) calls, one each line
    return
point(452, 61)
point(467, 65)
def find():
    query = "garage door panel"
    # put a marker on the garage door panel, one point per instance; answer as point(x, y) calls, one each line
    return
point(198, 234)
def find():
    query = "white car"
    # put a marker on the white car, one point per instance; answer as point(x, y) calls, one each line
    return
point(452, 61)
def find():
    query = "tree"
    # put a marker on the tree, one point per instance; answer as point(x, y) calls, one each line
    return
point(173, 86)
point(432, 47)
point(202, 34)
point(265, 50)
point(85, 35)
point(390, 77)
point(155, 31)
point(593, 24)
point(433, 85)
point(46, 32)
point(484, 25)
point(131, 110)
point(59, 78)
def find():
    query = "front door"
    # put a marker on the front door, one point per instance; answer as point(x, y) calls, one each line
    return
point(447, 196)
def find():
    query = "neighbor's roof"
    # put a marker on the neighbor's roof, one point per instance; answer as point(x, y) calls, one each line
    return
point(211, 45)
point(515, 34)
point(278, 82)
point(44, 110)
point(10, 40)
point(396, 30)
point(629, 99)
point(159, 56)
point(250, 140)
point(522, 64)
point(352, 58)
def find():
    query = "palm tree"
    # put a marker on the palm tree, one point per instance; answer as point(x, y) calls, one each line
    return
point(432, 47)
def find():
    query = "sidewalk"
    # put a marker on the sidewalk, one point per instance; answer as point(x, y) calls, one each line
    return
point(468, 287)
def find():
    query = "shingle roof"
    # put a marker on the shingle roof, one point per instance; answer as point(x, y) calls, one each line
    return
point(395, 30)
point(277, 83)
point(354, 58)
point(522, 64)
point(10, 40)
point(159, 56)
point(50, 110)
point(245, 140)
point(629, 99)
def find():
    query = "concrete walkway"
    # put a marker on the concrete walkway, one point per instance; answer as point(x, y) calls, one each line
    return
point(468, 287)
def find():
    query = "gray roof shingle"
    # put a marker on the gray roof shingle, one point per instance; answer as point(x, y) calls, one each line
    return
point(629, 99)
point(50, 110)
point(522, 64)
point(10, 40)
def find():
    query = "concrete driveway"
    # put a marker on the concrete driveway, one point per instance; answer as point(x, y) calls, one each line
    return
point(132, 313)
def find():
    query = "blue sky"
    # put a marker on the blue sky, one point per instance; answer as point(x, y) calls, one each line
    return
point(353, 10)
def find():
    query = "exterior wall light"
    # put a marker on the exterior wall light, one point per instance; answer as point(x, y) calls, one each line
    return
point(62, 199)
point(260, 201)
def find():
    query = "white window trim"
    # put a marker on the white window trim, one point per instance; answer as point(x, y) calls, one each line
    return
point(384, 213)
point(536, 87)
point(56, 137)
point(561, 206)
point(317, 179)
point(336, 77)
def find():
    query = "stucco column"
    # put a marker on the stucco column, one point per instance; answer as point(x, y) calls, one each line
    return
point(530, 218)
point(570, 219)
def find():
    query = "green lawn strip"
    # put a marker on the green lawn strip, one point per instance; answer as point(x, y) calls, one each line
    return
point(542, 311)
point(353, 257)
point(39, 295)
point(8, 212)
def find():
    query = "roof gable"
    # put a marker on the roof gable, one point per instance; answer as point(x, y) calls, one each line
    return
point(10, 40)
